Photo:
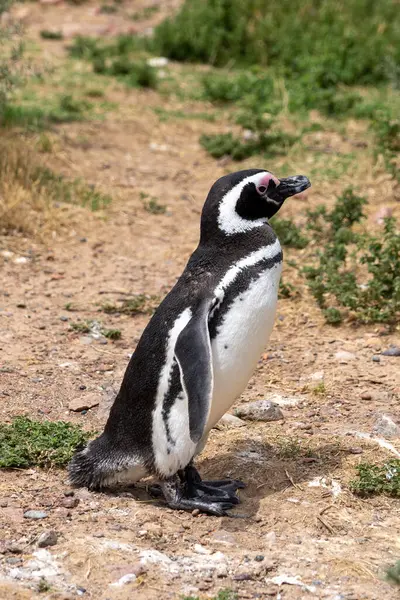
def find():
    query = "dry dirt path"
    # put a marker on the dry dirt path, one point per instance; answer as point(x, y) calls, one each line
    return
point(302, 524)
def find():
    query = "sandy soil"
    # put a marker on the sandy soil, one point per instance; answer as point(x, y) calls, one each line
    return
point(311, 536)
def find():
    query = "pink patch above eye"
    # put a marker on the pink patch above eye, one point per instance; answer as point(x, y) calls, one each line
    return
point(266, 179)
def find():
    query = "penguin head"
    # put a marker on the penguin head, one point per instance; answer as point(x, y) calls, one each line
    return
point(246, 199)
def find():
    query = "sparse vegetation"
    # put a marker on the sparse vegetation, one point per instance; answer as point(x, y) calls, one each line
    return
point(116, 58)
point(288, 233)
point(288, 447)
point(361, 272)
point(48, 34)
point(152, 205)
point(25, 443)
point(222, 595)
point(88, 326)
point(393, 574)
point(377, 479)
point(29, 191)
point(135, 305)
point(112, 334)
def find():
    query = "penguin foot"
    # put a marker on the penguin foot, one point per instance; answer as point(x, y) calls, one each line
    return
point(219, 490)
point(176, 497)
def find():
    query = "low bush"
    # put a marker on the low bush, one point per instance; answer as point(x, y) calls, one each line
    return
point(28, 443)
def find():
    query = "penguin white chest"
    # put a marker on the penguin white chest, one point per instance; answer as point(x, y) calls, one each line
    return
point(241, 338)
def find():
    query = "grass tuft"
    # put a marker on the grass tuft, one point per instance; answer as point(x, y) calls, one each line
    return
point(139, 304)
point(377, 479)
point(393, 574)
point(26, 443)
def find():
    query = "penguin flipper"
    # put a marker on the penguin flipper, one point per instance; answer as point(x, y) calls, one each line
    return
point(193, 354)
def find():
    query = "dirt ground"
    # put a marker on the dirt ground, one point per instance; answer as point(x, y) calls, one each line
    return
point(301, 533)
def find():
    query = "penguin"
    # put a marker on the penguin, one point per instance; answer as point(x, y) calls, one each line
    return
point(198, 351)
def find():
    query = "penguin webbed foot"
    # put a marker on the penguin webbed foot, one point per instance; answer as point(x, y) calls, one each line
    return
point(176, 498)
point(221, 488)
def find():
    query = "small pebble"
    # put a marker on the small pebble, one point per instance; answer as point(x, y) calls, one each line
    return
point(83, 240)
point(259, 558)
point(376, 359)
point(356, 450)
point(47, 538)
point(69, 493)
point(82, 387)
point(243, 577)
point(35, 514)
point(392, 351)
point(14, 548)
point(13, 560)
point(366, 396)
point(195, 512)
point(64, 318)
point(69, 502)
point(3, 503)
point(42, 327)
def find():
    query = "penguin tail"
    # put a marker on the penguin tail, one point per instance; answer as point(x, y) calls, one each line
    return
point(100, 465)
point(92, 466)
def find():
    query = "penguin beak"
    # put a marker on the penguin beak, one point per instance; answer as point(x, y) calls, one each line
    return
point(289, 186)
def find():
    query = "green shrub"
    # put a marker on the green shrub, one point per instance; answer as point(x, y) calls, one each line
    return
point(393, 574)
point(377, 479)
point(268, 144)
point(48, 34)
point(337, 42)
point(27, 443)
point(318, 48)
point(372, 293)
point(288, 233)
point(116, 58)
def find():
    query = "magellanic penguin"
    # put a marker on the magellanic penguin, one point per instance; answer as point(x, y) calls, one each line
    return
point(198, 351)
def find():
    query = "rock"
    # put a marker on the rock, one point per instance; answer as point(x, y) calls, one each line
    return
point(229, 421)
point(69, 493)
point(383, 213)
point(270, 538)
point(344, 357)
point(158, 61)
point(282, 400)
point(261, 410)
point(376, 358)
point(317, 377)
point(10, 547)
point(35, 514)
point(80, 404)
point(259, 558)
point(70, 502)
point(3, 502)
point(356, 450)
point(243, 577)
point(47, 538)
point(386, 427)
point(223, 537)
point(392, 351)
point(199, 549)
point(366, 396)
point(128, 578)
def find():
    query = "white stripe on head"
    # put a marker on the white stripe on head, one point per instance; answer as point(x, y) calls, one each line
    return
point(228, 219)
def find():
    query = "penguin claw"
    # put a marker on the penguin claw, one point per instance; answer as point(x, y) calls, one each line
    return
point(218, 509)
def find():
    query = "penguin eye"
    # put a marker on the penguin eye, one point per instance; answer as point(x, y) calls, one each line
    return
point(261, 189)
